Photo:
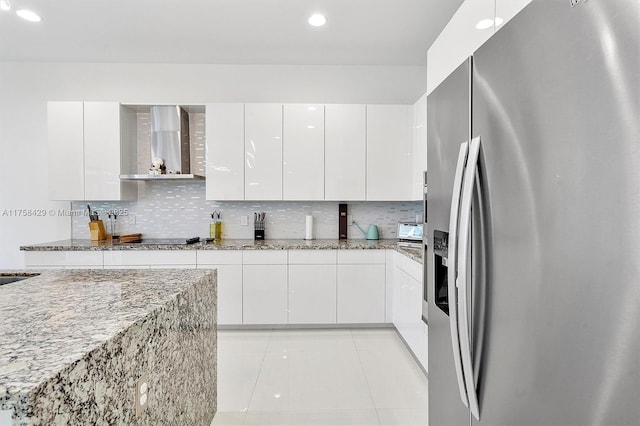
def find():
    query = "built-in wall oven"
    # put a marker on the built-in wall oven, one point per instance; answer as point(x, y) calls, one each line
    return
point(425, 258)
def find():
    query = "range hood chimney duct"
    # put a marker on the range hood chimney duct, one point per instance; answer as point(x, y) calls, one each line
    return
point(170, 138)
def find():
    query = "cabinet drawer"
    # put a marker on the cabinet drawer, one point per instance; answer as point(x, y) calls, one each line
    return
point(63, 258)
point(312, 257)
point(150, 257)
point(361, 257)
point(219, 257)
point(264, 257)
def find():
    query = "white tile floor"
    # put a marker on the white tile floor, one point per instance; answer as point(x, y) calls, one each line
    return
point(318, 377)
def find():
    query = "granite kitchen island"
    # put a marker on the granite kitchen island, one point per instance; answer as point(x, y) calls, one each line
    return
point(75, 344)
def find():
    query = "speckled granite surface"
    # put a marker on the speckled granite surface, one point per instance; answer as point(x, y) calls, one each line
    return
point(73, 344)
point(87, 245)
point(82, 245)
point(412, 253)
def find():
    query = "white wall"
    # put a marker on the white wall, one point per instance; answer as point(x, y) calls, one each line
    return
point(25, 88)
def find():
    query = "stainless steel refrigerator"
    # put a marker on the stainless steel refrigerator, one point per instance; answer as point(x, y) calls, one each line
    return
point(533, 261)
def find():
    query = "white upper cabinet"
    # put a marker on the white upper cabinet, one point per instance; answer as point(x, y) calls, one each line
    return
point(107, 130)
point(66, 150)
point(471, 26)
point(389, 152)
point(225, 152)
point(419, 147)
point(263, 152)
point(303, 152)
point(87, 143)
point(345, 152)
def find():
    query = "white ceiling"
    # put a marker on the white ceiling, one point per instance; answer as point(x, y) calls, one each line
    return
point(358, 32)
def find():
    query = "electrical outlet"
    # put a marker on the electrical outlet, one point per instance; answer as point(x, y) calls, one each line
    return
point(244, 221)
point(142, 395)
point(349, 220)
point(574, 2)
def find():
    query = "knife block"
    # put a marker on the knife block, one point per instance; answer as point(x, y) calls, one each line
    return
point(258, 230)
point(96, 228)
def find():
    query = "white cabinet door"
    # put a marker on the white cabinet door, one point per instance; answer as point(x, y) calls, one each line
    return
point(345, 152)
point(150, 258)
point(225, 151)
point(229, 293)
point(89, 143)
point(263, 152)
point(312, 294)
point(407, 305)
point(66, 150)
point(229, 266)
point(63, 259)
point(389, 152)
point(419, 147)
point(102, 151)
point(264, 294)
point(303, 152)
point(361, 294)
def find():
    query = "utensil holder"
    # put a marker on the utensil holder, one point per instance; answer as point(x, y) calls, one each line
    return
point(96, 229)
point(258, 230)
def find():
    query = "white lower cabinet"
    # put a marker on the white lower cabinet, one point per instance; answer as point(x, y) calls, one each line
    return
point(63, 259)
point(264, 287)
point(407, 305)
point(312, 286)
point(158, 259)
point(271, 287)
point(312, 294)
point(229, 266)
point(361, 293)
point(264, 294)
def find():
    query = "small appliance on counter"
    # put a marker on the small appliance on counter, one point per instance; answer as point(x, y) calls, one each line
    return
point(410, 234)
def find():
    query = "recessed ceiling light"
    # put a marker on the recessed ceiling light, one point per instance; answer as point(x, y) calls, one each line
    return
point(5, 5)
point(28, 15)
point(484, 24)
point(317, 20)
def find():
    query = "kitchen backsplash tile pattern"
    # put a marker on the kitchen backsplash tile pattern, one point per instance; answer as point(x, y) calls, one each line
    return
point(196, 135)
point(179, 209)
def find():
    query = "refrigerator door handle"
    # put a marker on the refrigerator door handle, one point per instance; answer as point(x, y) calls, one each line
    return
point(452, 278)
point(463, 259)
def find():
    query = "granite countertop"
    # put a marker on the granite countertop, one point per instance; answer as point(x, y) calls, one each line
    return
point(231, 244)
point(55, 319)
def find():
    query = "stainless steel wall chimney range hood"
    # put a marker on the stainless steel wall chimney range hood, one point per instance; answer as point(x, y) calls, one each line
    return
point(170, 145)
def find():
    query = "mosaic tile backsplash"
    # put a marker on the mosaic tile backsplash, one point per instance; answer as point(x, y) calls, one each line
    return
point(178, 209)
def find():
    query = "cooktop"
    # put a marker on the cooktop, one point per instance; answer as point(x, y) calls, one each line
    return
point(172, 241)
